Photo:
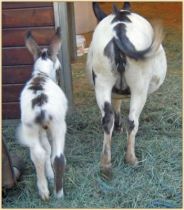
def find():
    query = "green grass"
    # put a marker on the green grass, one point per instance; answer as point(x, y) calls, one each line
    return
point(156, 182)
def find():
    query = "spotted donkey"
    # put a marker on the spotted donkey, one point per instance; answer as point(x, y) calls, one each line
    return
point(43, 109)
point(125, 57)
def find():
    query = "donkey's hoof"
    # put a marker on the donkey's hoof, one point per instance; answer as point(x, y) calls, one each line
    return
point(106, 172)
point(43, 191)
point(44, 195)
point(131, 159)
point(59, 194)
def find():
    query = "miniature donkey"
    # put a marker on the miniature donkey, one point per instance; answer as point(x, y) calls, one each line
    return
point(125, 57)
point(43, 110)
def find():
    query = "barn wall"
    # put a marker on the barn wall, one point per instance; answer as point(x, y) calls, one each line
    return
point(17, 18)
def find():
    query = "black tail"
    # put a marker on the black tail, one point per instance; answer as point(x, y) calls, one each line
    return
point(124, 44)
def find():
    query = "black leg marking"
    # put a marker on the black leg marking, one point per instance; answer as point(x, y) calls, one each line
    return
point(94, 77)
point(108, 119)
point(131, 125)
point(59, 168)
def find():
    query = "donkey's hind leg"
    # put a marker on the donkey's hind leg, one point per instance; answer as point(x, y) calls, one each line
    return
point(103, 97)
point(58, 131)
point(45, 143)
point(137, 103)
point(30, 137)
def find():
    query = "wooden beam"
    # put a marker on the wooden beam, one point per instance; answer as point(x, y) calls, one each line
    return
point(61, 19)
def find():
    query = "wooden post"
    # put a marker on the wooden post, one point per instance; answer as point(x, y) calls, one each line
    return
point(72, 31)
point(61, 15)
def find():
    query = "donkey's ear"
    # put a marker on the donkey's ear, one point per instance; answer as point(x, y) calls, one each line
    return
point(55, 44)
point(32, 45)
point(114, 9)
point(127, 6)
point(100, 15)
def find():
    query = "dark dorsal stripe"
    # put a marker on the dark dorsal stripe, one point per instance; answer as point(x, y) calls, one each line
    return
point(130, 125)
point(37, 83)
point(121, 16)
point(107, 120)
